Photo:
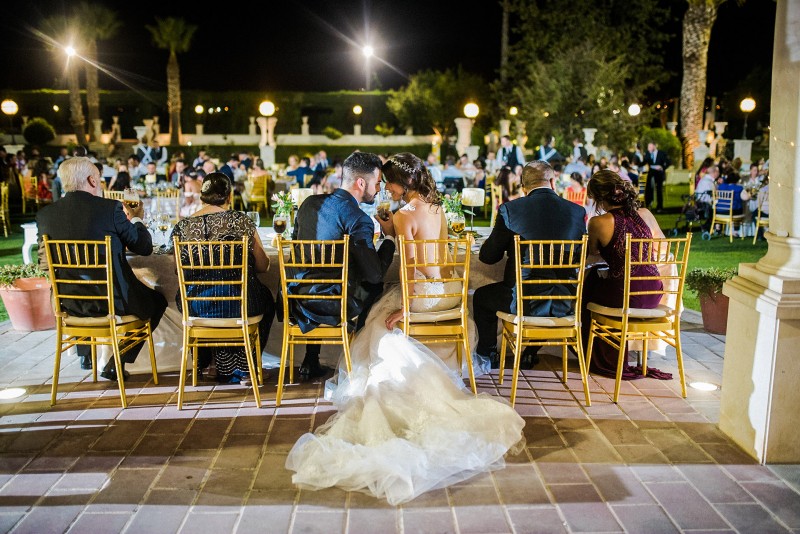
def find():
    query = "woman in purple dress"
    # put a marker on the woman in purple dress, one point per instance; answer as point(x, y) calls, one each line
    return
point(604, 284)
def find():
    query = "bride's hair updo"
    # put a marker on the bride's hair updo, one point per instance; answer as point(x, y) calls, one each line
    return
point(607, 186)
point(409, 172)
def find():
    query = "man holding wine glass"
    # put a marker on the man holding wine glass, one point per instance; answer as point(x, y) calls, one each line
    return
point(83, 214)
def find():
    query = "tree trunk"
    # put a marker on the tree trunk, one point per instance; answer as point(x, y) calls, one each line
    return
point(75, 105)
point(697, 23)
point(92, 88)
point(504, 43)
point(174, 99)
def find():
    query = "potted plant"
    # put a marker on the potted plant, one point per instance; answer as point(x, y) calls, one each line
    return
point(707, 282)
point(25, 291)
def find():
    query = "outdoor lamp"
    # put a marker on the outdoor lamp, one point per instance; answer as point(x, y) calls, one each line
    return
point(471, 110)
point(199, 109)
point(747, 105)
point(266, 108)
point(10, 108)
point(513, 111)
point(474, 197)
point(634, 109)
point(357, 110)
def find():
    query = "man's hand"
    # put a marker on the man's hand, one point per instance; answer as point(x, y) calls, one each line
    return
point(388, 225)
point(131, 213)
point(393, 318)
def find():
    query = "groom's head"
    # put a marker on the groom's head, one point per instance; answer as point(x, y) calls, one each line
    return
point(361, 173)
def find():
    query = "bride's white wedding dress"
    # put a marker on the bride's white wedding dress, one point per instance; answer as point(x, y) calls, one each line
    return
point(406, 423)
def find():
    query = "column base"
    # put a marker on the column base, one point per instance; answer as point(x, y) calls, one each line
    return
point(782, 257)
point(761, 374)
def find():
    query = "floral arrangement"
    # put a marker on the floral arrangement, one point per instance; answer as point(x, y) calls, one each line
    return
point(452, 204)
point(284, 204)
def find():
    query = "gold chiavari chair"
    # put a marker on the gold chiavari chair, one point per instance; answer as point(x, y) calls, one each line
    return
point(497, 199)
point(4, 213)
point(170, 201)
point(450, 257)
point(761, 220)
point(578, 197)
point(546, 263)
point(212, 275)
point(256, 193)
point(116, 195)
point(723, 213)
point(617, 326)
point(82, 271)
point(328, 262)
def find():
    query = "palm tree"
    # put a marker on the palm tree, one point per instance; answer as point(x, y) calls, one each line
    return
point(65, 31)
point(697, 23)
point(174, 35)
point(99, 23)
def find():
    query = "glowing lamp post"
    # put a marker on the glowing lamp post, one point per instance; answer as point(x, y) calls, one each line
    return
point(513, 111)
point(267, 122)
point(357, 111)
point(368, 52)
point(464, 127)
point(747, 105)
point(634, 110)
point(10, 108)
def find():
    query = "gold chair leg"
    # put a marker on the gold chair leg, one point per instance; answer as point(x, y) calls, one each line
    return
point(94, 363)
point(564, 364)
point(184, 357)
point(590, 345)
point(57, 366)
point(621, 360)
point(644, 357)
point(195, 349)
point(459, 357)
point(468, 355)
point(291, 363)
point(515, 377)
point(346, 346)
point(582, 365)
point(282, 368)
point(248, 350)
point(120, 373)
point(679, 357)
point(502, 357)
point(152, 353)
point(259, 362)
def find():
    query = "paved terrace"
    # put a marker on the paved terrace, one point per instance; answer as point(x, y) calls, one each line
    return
point(653, 463)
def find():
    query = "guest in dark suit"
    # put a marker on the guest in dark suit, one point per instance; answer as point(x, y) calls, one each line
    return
point(540, 214)
point(657, 163)
point(83, 214)
point(331, 216)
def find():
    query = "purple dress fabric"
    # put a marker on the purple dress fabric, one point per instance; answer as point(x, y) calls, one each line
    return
point(610, 292)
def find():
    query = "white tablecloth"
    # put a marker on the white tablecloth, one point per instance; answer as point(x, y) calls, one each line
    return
point(159, 271)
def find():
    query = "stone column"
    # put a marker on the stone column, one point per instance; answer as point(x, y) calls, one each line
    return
point(743, 148)
point(98, 128)
point(761, 376)
point(262, 124)
point(356, 130)
point(271, 122)
point(522, 135)
point(505, 127)
point(116, 132)
point(251, 128)
point(198, 129)
point(464, 127)
point(148, 130)
point(304, 126)
point(156, 129)
point(671, 125)
point(588, 137)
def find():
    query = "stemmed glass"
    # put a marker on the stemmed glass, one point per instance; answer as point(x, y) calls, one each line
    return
point(280, 223)
point(131, 198)
point(255, 217)
point(163, 222)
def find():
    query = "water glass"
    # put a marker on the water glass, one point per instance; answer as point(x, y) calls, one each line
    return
point(255, 217)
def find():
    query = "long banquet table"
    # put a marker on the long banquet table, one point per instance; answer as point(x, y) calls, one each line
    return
point(158, 271)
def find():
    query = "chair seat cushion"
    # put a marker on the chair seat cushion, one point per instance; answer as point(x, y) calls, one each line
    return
point(432, 317)
point(636, 313)
point(232, 322)
point(528, 320)
point(98, 321)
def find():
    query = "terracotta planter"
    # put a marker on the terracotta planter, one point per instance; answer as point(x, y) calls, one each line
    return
point(714, 308)
point(28, 304)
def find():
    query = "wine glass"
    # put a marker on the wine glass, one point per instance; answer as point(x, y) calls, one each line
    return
point(255, 217)
point(280, 223)
point(457, 222)
point(163, 222)
point(131, 199)
point(384, 205)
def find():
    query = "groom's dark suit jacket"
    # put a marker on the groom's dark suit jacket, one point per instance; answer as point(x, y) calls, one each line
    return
point(540, 215)
point(330, 217)
point(83, 216)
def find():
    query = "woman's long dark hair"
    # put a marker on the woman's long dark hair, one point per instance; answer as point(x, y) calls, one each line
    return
point(409, 172)
point(607, 186)
point(504, 178)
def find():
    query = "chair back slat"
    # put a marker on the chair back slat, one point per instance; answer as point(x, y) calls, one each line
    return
point(116, 195)
point(536, 259)
point(449, 257)
point(80, 270)
point(326, 259)
point(662, 259)
point(211, 275)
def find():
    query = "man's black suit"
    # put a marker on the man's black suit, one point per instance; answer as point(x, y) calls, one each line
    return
point(329, 217)
point(83, 216)
point(655, 178)
point(542, 214)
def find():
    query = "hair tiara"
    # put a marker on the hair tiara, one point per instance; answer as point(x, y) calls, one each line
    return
point(405, 166)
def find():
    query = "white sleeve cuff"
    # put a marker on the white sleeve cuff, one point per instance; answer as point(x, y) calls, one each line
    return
point(390, 238)
point(136, 219)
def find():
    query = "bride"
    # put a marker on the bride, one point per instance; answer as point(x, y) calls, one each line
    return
point(406, 423)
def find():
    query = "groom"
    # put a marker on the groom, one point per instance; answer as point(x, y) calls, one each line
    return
point(331, 216)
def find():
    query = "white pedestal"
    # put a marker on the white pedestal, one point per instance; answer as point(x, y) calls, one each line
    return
point(268, 155)
point(760, 377)
point(356, 129)
point(671, 125)
point(31, 235)
point(505, 127)
point(140, 132)
point(198, 129)
point(473, 151)
point(701, 153)
point(464, 127)
point(742, 148)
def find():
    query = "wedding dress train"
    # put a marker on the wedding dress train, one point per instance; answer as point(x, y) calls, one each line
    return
point(405, 424)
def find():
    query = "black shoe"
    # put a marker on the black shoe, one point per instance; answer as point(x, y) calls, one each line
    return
point(86, 362)
point(530, 358)
point(110, 372)
point(313, 369)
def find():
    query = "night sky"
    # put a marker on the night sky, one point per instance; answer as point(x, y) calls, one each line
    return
point(311, 45)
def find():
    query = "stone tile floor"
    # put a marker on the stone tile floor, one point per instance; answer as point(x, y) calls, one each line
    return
point(653, 463)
